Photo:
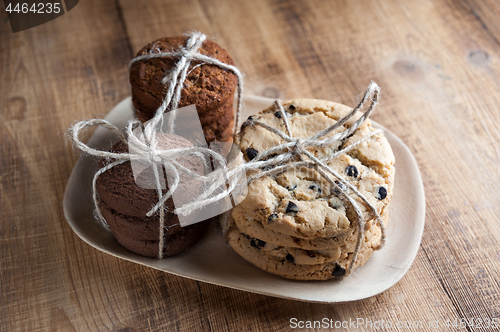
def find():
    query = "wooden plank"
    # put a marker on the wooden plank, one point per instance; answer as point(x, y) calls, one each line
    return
point(52, 75)
point(437, 65)
point(486, 12)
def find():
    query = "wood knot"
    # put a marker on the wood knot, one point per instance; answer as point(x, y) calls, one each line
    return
point(408, 70)
point(478, 57)
point(16, 108)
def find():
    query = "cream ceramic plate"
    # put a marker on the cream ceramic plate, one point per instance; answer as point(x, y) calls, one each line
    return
point(213, 261)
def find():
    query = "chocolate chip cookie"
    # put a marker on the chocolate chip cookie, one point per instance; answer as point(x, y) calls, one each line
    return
point(298, 264)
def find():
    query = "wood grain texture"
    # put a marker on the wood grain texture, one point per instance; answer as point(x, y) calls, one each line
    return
point(436, 61)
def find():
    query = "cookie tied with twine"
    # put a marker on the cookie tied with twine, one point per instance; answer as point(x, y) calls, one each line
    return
point(208, 85)
point(146, 147)
point(285, 152)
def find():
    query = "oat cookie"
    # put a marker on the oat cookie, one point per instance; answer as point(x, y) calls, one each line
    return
point(207, 86)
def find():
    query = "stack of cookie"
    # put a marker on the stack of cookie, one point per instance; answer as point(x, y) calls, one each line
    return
point(207, 86)
point(295, 224)
point(124, 204)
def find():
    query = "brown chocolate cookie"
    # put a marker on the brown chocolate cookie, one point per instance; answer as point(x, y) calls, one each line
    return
point(173, 243)
point(124, 205)
point(146, 228)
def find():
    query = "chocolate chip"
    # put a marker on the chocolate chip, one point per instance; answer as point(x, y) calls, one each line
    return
point(251, 118)
point(382, 193)
point(290, 258)
point(291, 107)
point(256, 243)
point(278, 114)
point(338, 271)
point(315, 187)
point(272, 217)
point(292, 208)
point(292, 187)
point(351, 170)
point(252, 153)
point(341, 186)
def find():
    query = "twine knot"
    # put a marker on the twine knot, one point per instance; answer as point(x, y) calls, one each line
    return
point(152, 156)
point(298, 145)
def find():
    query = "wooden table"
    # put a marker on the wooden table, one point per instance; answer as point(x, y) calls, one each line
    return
point(436, 61)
